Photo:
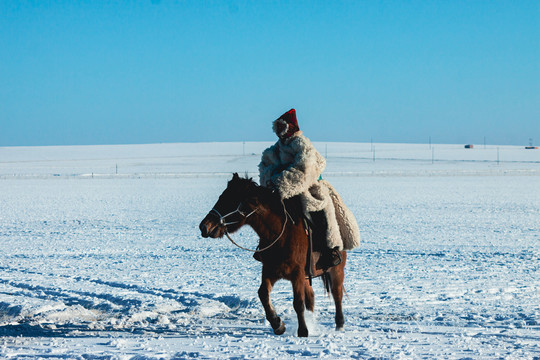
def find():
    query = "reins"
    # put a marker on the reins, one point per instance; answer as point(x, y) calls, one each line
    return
point(222, 222)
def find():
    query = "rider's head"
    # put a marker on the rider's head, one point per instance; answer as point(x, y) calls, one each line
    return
point(286, 125)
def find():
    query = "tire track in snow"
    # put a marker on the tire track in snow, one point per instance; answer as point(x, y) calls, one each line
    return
point(187, 299)
point(122, 307)
point(50, 293)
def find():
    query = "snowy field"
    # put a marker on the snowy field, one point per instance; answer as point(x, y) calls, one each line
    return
point(101, 257)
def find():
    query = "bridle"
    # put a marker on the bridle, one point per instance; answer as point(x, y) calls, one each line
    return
point(223, 217)
point(224, 223)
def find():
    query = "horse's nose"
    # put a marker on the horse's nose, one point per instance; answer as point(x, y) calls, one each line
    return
point(204, 230)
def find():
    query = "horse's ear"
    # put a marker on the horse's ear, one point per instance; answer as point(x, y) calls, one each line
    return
point(235, 176)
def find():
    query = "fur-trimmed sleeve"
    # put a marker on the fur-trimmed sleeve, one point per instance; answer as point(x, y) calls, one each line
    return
point(268, 164)
point(303, 172)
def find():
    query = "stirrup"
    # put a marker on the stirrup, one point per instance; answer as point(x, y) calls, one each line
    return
point(328, 259)
point(336, 257)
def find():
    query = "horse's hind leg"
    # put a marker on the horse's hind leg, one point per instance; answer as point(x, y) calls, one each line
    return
point(298, 284)
point(309, 296)
point(337, 275)
point(271, 316)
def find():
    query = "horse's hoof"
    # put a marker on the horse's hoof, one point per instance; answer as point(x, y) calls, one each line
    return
point(340, 328)
point(280, 329)
point(303, 333)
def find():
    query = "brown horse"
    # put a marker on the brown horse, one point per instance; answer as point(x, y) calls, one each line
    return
point(244, 202)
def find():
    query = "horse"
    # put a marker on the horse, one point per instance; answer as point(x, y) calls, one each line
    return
point(283, 247)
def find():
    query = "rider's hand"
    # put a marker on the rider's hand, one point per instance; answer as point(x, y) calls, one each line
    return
point(270, 185)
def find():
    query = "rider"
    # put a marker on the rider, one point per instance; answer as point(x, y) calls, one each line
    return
point(292, 167)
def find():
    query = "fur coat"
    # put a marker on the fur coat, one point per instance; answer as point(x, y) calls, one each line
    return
point(294, 167)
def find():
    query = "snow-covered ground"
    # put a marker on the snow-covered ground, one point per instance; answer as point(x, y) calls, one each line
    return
point(101, 257)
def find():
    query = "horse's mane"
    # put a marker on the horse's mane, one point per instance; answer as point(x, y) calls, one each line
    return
point(266, 195)
point(263, 193)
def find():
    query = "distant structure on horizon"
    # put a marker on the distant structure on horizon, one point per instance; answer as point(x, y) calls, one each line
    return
point(531, 146)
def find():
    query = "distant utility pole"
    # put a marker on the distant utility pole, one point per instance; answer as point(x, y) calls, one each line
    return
point(326, 151)
point(373, 149)
point(430, 142)
point(497, 155)
point(372, 144)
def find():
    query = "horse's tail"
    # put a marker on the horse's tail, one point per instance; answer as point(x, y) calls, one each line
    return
point(327, 281)
point(345, 291)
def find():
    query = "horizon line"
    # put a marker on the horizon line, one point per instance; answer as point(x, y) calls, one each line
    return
point(265, 141)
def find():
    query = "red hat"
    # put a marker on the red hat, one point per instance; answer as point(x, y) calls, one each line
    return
point(286, 124)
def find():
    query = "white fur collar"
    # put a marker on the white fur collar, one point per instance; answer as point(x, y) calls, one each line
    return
point(291, 138)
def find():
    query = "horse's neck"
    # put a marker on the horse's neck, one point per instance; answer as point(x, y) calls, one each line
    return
point(268, 225)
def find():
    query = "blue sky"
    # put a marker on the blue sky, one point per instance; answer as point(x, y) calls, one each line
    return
point(118, 72)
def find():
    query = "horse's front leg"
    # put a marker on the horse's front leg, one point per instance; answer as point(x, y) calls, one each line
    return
point(299, 284)
point(264, 296)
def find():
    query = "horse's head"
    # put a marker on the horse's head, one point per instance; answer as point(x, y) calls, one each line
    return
point(235, 205)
